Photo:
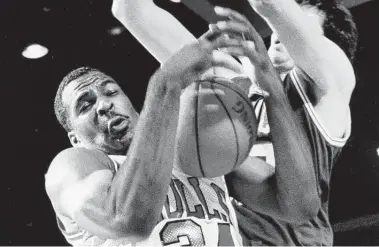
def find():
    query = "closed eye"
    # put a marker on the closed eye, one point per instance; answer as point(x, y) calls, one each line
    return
point(85, 107)
point(112, 92)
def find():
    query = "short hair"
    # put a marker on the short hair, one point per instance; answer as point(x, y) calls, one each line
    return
point(59, 108)
point(339, 25)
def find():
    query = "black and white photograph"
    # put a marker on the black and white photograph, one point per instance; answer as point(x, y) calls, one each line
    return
point(190, 122)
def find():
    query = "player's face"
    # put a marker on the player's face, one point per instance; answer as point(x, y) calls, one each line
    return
point(279, 56)
point(100, 114)
point(278, 53)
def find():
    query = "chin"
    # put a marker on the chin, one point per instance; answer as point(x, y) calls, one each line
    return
point(116, 149)
point(122, 145)
point(113, 146)
point(284, 68)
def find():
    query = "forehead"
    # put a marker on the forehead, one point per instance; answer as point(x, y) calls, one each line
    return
point(81, 83)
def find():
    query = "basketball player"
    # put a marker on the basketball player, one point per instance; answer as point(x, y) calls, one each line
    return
point(102, 197)
point(312, 46)
point(143, 19)
point(321, 38)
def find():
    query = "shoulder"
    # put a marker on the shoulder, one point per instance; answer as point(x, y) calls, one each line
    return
point(80, 161)
point(74, 164)
point(329, 115)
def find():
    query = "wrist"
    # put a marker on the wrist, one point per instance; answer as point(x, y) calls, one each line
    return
point(164, 83)
point(270, 82)
point(181, 77)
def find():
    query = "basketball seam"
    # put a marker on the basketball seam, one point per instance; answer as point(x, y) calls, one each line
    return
point(234, 127)
point(197, 129)
point(237, 90)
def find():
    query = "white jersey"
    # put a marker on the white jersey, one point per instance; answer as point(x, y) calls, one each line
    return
point(197, 212)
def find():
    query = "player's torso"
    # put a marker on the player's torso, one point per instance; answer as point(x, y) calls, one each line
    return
point(264, 230)
point(197, 212)
point(325, 149)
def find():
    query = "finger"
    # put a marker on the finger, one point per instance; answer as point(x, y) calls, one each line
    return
point(247, 46)
point(231, 34)
point(250, 45)
point(231, 14)
point(234, 51)
point(222, 59)
point(233, 27)
point(210, 34)
point(224, 40)
point(237, 16)
point(238, 29)
point(241, 50)
point(256, 37)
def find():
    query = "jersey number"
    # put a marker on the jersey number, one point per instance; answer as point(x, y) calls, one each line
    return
point(189, 233)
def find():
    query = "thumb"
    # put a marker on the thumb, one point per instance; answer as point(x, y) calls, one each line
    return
point(222, 59)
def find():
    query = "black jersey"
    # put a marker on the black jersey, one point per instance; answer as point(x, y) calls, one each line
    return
point(262, 229)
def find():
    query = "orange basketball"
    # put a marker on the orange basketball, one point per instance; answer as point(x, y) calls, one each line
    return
point(217, 128)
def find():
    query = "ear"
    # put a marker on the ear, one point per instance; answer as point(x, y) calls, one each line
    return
point(75, 141)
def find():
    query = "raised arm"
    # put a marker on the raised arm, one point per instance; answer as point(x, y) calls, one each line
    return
point(302, 34)
point(156, 29)
point(163, 35)
point(326, 71)
point(291, 195)
point(127, 204)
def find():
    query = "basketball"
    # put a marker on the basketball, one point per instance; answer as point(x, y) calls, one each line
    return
point(216, 129)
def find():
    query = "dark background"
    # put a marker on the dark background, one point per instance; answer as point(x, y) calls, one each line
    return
point(77, 33)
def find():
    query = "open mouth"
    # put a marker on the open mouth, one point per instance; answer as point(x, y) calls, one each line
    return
point(118, 126)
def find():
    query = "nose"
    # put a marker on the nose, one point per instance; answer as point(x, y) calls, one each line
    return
point(104, 107)
point(274, 40)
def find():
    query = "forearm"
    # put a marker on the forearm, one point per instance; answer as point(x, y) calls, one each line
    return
point(301, 34)
point(140, 187)
point(294, 171)
point(292, 23)
point(156, 29)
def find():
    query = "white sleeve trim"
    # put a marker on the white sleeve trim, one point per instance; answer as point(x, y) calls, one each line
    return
point(317, 120)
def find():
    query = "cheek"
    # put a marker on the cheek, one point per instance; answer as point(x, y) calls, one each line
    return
point(86, 127)
point(124, 106)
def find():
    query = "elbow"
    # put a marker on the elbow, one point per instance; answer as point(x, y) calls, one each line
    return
point(135, 231)
point(141, 229)
point(310, 210)
point(138, 225)
point(139, 235)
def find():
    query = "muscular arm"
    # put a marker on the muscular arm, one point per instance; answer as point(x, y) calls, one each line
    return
point(332, 74)
point(290, 194)
point(162, 34)
point(156, 29)
point(126, 204)
point(303, 37)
